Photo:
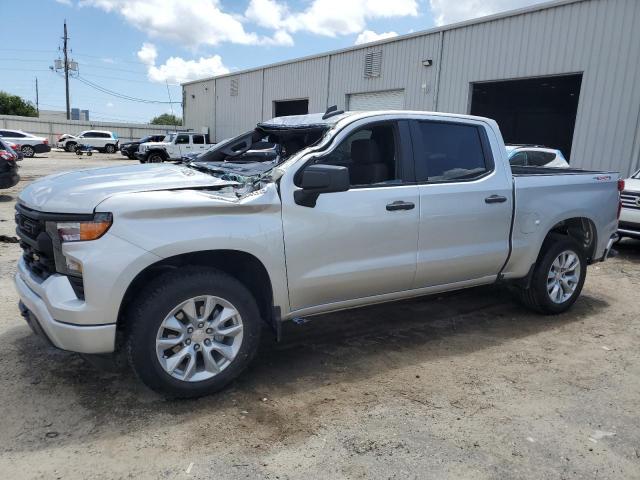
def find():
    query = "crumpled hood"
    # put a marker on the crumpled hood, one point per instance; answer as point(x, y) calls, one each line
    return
point(81, 191)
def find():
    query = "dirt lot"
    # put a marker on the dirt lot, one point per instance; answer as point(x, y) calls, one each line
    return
point(467, 385)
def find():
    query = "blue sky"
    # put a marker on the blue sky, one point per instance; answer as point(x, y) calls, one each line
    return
point(136, 47)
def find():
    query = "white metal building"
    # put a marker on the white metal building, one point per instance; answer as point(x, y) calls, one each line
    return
point(564, 74)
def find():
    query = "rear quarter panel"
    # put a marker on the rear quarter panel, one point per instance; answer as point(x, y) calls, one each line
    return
point(544, 200)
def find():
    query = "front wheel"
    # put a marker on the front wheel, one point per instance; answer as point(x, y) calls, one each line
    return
point(192, 332)
point(110, 149)
point(155, 158)
point(70, 146)
point(558, 277)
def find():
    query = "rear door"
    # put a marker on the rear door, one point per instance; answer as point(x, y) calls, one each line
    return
point(198, 143)
point(465, 203)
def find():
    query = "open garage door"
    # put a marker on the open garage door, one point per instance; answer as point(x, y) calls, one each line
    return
point(539, 110)
point(387, 100)
point(282, 108)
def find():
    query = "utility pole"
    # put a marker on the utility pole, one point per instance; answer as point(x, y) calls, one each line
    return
point(37, 102)
point(66, 68)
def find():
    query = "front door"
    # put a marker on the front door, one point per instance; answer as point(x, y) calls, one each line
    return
point(362, 242)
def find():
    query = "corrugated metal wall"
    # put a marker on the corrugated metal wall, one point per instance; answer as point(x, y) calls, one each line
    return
point(53, 129)
point(200, 105)
point(599, 38)
point(402, 69)
point(237, 114)
point(305, 79)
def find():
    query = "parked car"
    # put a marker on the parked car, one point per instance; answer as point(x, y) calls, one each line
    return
point(173, 147)
point(129, 149)
point(630, 215)
point(179, 265)
point(8, 166)
point(29, 144)
point(102, 140)
point(536, 156)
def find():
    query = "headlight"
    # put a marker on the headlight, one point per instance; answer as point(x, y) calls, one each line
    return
point(84, 230)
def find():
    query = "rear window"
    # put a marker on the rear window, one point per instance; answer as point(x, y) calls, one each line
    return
point(198, 139)
point(449, 151)
point(539, 159)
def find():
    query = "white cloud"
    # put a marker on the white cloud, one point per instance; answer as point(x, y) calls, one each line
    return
point(370, 36)
point(178, 70)
point(110, 104)
point(64, 2)
point(327, 17)
point(190, 23)
point(446, 11)
point(148, 53)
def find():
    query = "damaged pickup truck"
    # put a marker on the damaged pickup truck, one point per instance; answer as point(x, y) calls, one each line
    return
point(181, 265)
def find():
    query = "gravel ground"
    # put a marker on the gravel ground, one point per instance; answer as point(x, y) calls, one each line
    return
point(466, 385)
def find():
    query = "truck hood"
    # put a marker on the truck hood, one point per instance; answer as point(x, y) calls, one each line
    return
point(632, 185)
point(81, 191)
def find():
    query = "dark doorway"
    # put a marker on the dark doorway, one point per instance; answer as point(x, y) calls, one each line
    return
point(290, 107)
point(539, 111)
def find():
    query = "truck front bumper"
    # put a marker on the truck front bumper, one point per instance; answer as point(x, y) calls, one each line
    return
point(629, 225)
point(36, 305)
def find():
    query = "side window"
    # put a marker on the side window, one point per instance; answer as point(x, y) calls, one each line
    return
point(4, 133)
point(540, 159)
point(15, 134)
point(198, 139)
point(450, 151)
point(89, 135)
point(182, 140)
point(370, 154)
point(519, 159)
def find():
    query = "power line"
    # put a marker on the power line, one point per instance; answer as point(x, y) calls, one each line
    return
point(119, 95)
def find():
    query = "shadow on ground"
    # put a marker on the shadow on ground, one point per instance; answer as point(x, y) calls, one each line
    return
point(342, 348)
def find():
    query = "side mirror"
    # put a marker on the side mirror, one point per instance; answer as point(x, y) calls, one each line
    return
point(317, 179)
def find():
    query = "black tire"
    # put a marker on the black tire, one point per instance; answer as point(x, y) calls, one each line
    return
point(536, 296)
point(155, 157)
point(110, 149)
point(78, 152)
point(158, 299)
point(28, 151)
point(70, 146)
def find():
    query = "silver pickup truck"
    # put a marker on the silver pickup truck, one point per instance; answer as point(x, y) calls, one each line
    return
point(181, 265)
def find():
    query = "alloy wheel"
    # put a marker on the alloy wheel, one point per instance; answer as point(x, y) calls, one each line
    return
point(563, 277)
point(199, 338)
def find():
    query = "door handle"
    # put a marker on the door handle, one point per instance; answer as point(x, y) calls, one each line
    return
point(495, 199)
point(400, 205)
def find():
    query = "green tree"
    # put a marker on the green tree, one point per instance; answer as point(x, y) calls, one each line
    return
point(14, 105)
point(166, 119)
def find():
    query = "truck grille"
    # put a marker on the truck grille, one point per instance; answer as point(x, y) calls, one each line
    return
point(36, 243)
point(630, 200)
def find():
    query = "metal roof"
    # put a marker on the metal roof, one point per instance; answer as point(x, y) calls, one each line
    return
point(399, 38)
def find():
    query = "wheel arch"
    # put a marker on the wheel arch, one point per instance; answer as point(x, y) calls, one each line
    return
point(581, 229)
point(243, 266)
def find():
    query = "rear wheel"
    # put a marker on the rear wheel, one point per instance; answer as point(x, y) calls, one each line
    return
point(558, 276)
point(28, 151)
point(192, 332)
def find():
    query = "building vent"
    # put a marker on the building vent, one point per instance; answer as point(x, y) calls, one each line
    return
point(372, 64)
point(234, 87)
